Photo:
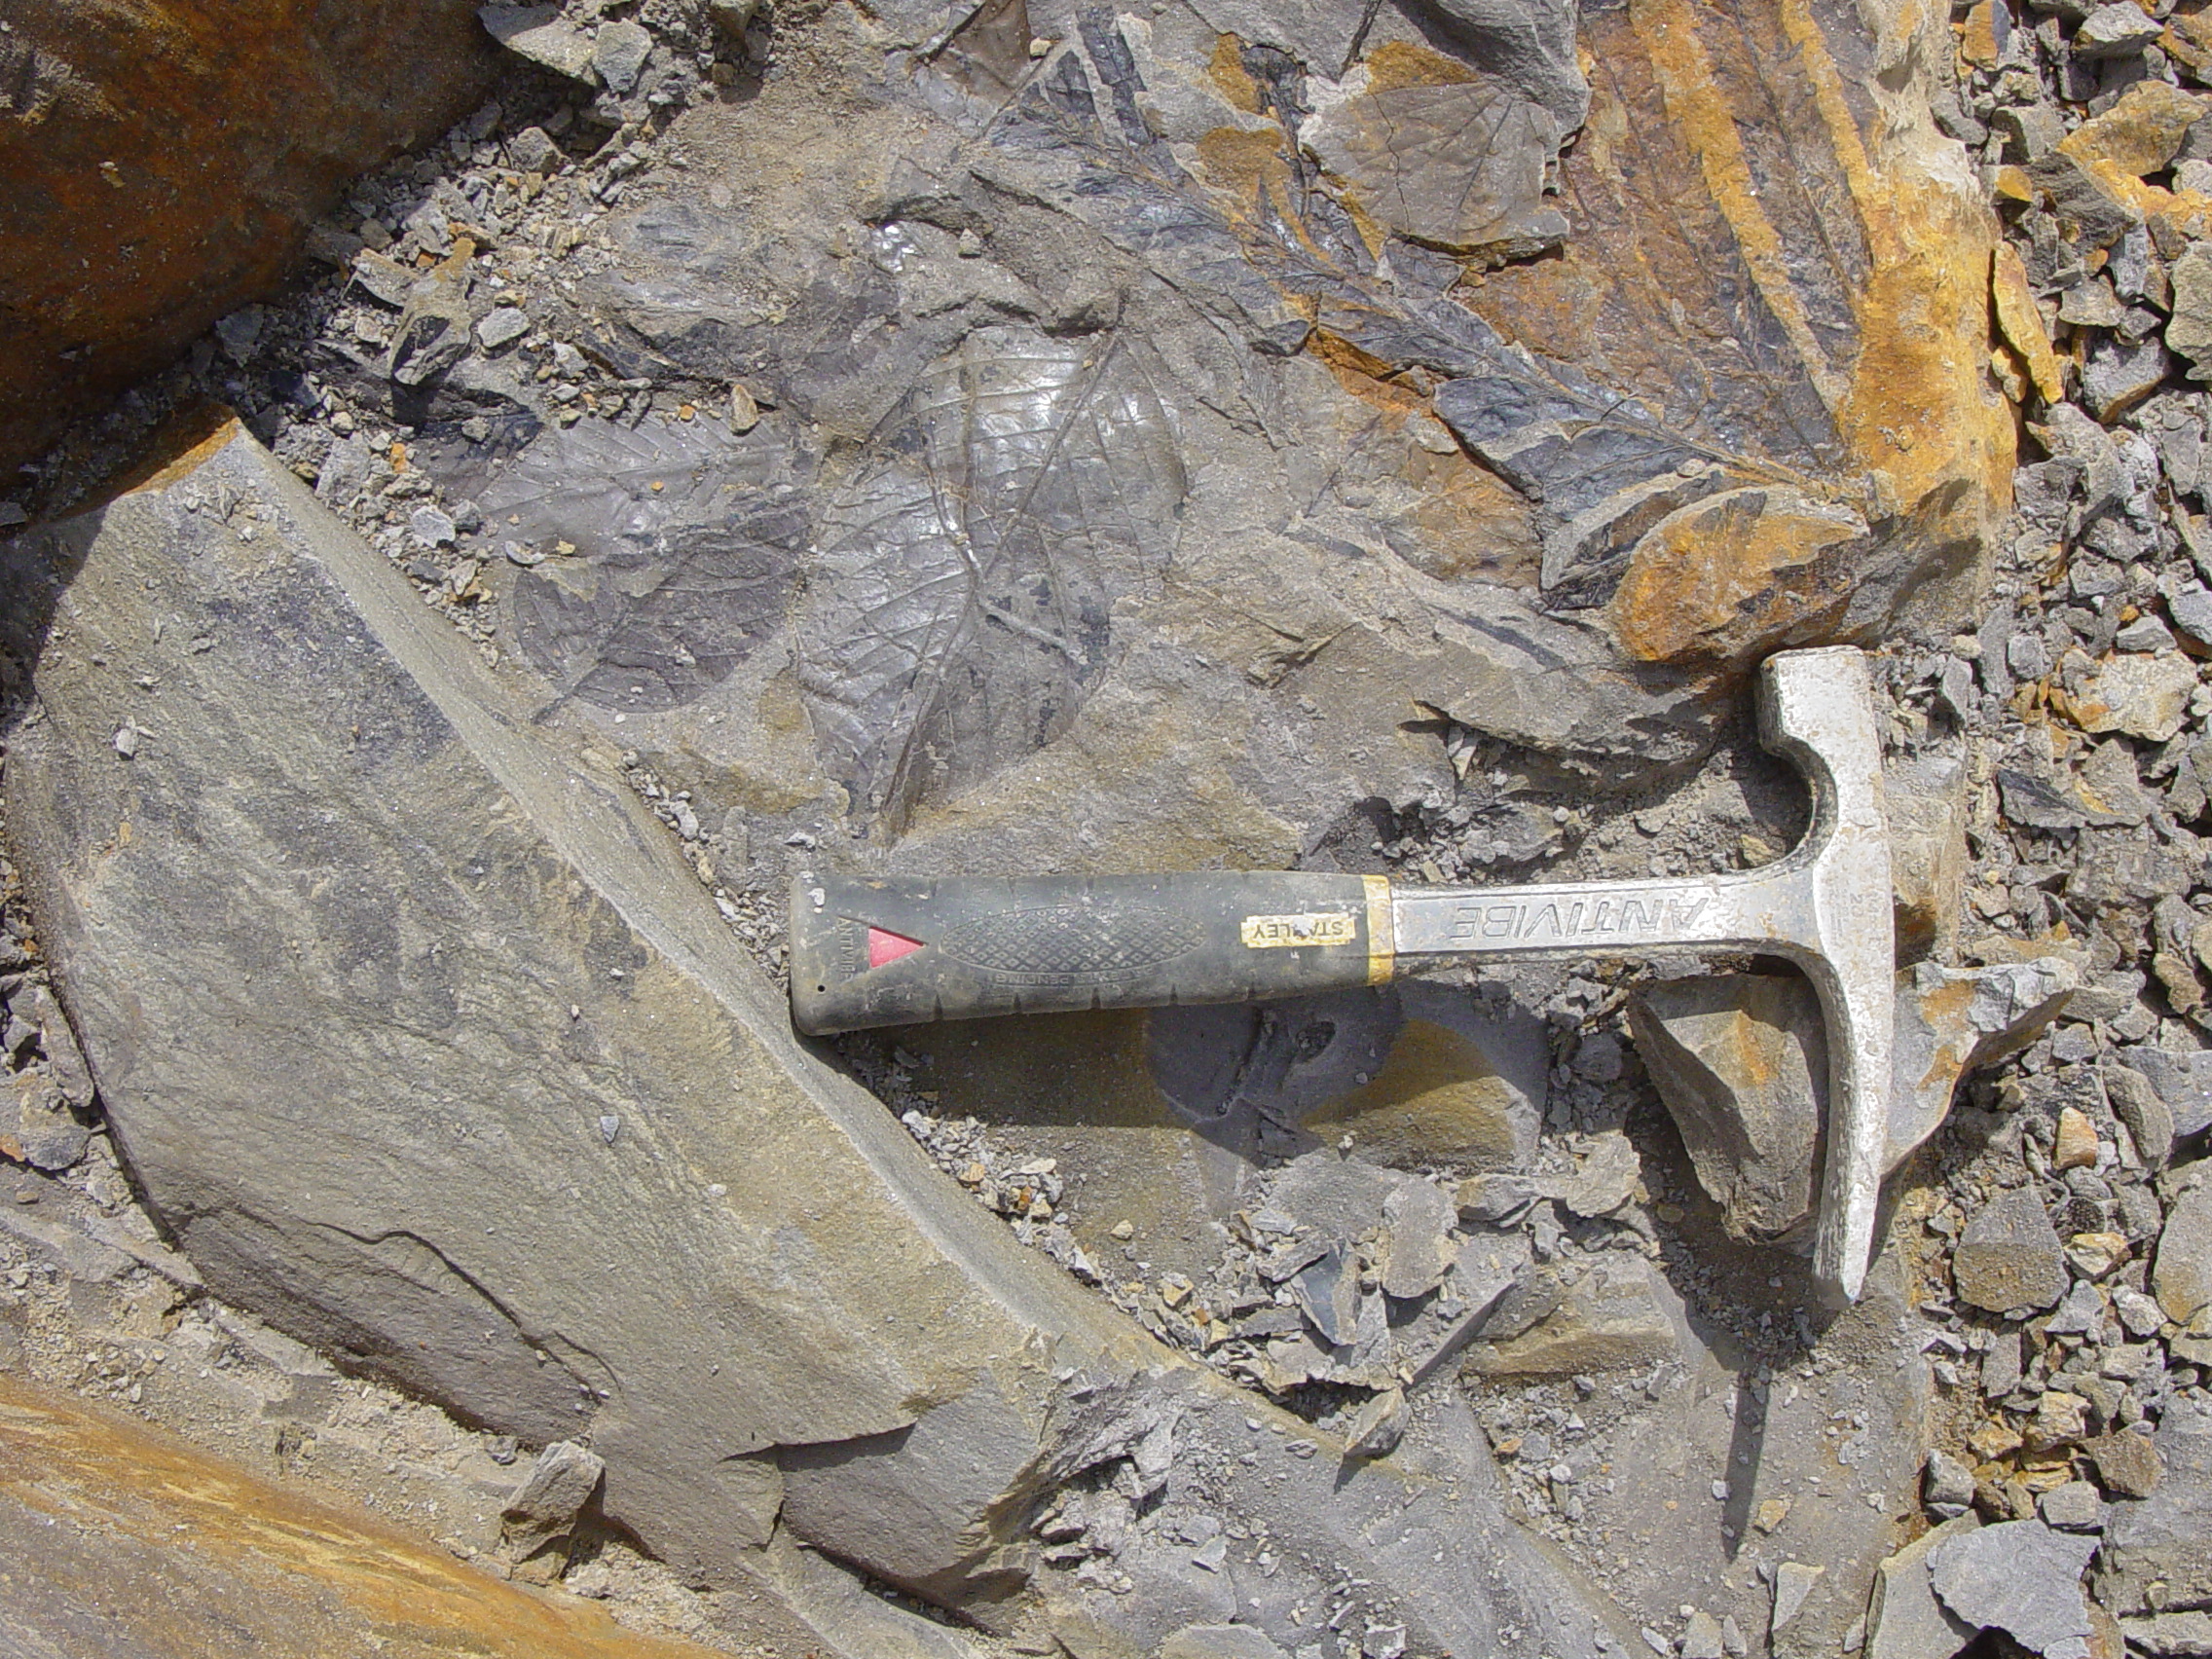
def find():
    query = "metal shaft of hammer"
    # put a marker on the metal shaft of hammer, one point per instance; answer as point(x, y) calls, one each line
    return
point(872, 952)
point(1826, 907)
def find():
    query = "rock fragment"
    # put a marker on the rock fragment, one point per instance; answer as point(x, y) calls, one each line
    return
point(1496, 1199)
point(2142, 696)
point(2022, 324)
point(2114, 30)
point(2181, 1081)
point(2075, 1144)
point(2149, 1121)
point(1610, 1319)
point(1793, 1581)
point(1702, 1637)
point(501, 327)
point(618, 53)
point(2074, 1507)
point(1327, 1293)
point(1605, 1176)
point(2189, 329)
point(539, 34)
point(432, 334)
point(2121, 373)
point(2009, 1257)
point(2182, 1276)
point(1414, 1252)
point(1378, 1427)
point(1905, 1619)
point(2020, 1578)
point(2126, 1463)
point(2169, 1636)
point(1947, 1486)
point(2142, 132)
point(1735, 1058)
point(545, 1506)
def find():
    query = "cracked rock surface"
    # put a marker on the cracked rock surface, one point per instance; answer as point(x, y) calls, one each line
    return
point(911, 438)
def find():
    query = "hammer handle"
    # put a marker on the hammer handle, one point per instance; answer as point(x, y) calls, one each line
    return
point(866, 953)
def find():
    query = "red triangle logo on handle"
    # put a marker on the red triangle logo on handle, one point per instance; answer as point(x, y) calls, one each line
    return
point(885, 947)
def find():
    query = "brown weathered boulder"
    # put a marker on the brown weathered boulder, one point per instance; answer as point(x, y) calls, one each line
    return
point(164, 161)
point(125, 1542)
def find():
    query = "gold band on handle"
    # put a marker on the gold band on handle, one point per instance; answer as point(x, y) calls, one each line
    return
point(1382, 931)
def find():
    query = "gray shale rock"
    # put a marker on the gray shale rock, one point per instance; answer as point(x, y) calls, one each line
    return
point(2010, 1256)
point(1904, 1620)
point(2183, 1080)
point(2022, 1579)
point(545, 1506)
point(2155, 1558)
point(1734, 1057)
point(2182, 1279)
point(405, 950)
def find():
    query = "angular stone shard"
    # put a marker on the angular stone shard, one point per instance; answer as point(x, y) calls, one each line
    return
point(2008, 1256)
point(539, 34)
point(1612, 1317)
point(2022, 324)
point(1734, 1057)
point(2021, 1577)
point(1903, 1618)
point(408, 952)
point(2182, 1082)
point(2182, 1279)
point(546, 1505)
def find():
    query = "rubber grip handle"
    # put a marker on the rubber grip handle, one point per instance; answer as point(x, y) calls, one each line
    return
point(867, 952)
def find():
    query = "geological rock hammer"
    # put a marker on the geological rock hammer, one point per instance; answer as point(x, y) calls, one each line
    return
point(870, 952)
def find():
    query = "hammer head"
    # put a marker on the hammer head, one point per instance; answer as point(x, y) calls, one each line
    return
point(1816, 709)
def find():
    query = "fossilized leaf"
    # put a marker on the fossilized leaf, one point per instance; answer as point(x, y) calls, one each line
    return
point(641, 628)
point(960, 595)
point(1458, 162)
point(989, 50)
point(599, 485)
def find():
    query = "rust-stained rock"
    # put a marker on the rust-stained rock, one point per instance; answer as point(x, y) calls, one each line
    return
point(164, 161)
point(1788, 268)
point(1985, 33)
point(123, 1540)
point(2139, 134)
point(2021, 324)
